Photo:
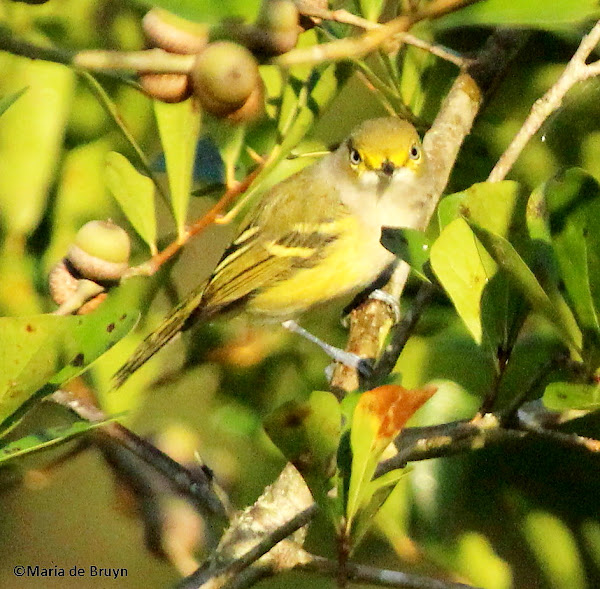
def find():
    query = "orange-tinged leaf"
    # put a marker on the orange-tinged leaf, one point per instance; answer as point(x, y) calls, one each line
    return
point(378, 418)
point(393, 405)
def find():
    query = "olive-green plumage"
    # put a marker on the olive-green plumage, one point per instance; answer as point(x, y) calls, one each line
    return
point(313, 237)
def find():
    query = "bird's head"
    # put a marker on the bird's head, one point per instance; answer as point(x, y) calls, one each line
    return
point(384, 150)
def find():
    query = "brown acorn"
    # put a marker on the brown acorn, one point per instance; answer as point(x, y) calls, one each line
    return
point(176, 35)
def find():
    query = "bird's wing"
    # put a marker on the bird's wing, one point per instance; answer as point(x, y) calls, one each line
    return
point(273, 244)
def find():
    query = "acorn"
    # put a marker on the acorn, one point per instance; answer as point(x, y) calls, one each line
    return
point(279, 21)
point(224, 76)
point(100, 251)
point(175, 35)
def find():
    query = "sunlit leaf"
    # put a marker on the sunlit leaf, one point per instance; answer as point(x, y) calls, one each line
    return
point(31, 130)
point(505, 255)
point(464, 269)
point(409, 245)
point(135, 194)
point(179, 127)
point(477, 560)
point(41, 440)
point(532, 13)
point(29, 347)
point(209, 11)
point(378, 491)
point(560, 396)
point(560, 559)
point(378, 418)
point(371, 9)
point(7, 101)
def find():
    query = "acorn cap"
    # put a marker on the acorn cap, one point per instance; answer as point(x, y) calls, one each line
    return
point(173, 33)
point(100, 251)
point(252, 109)
point(167, 87)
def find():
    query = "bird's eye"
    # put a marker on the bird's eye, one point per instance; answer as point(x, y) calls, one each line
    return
point(414, 153)
point(355, 157)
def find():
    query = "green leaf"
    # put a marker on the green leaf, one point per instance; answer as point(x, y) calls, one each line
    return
point(179, 128)
point(29, 347)
point(378, 490)
point(463, 268)
point(498, 207)
point(371, 9)
point(37, 441)
point(308, 434)
point(409, 245)
point(572, 201)
point(32, 130)
point(528, 13)
point(478, 562)
point(485, 301)
point(505, 255)
point(304, 96)
point(559, 558)
point(209, 11)
point(449, 209)
point(135, 194)
point(7, 101)
point(561, 396)
point(379, 416)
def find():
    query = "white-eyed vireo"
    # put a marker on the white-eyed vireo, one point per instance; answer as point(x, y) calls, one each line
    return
point(313, 237)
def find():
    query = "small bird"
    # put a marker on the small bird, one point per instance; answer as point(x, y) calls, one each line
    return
point(313, 237)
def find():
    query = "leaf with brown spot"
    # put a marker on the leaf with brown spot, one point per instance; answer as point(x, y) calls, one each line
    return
point(30, 346)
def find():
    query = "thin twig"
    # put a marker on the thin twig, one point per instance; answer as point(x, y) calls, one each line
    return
point(576, 71)
point(200, 490)
point(360, 573)
point(154, 61)
point(111, 110)
point(345, 17)
point(372, 39)
point(151, 266)
point(562, 438)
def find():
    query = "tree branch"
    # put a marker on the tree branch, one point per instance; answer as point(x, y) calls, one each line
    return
point(360, 573)
point(576, 71)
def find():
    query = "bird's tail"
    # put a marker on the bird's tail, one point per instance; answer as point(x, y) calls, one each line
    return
point(176, 321)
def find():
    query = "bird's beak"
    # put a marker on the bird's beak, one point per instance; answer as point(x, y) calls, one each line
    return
point(387, 168)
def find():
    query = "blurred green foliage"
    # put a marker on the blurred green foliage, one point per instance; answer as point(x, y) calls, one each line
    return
point(519, 516)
